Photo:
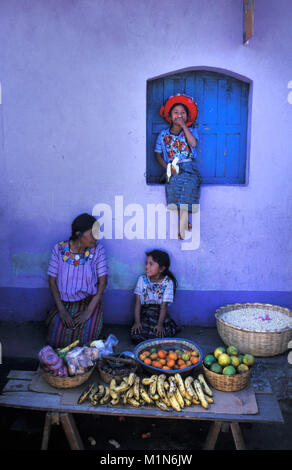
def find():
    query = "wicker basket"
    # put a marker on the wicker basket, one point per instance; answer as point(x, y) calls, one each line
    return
point(167, 344)
point(107, 377)
point(227, 383)
point(67, 382)
point(258, 343)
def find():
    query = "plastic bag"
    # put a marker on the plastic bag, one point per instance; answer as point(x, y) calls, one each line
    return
point(109, 345)
point(78, 360)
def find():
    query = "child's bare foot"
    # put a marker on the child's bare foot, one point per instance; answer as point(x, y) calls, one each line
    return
point(190, 226)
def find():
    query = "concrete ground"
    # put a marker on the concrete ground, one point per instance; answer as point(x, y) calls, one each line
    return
point(23, 429)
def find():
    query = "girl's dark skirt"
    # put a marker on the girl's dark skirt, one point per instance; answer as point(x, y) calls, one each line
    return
point(59, 335)
point(184, 188)
point(149, 319)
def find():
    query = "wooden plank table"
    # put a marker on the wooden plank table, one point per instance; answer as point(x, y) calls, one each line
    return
point(16, 394)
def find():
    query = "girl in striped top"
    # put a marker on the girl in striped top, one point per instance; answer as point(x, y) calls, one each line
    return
point(154, 291)
point(77, 279)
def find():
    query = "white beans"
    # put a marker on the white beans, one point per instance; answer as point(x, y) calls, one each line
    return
point(257, 319)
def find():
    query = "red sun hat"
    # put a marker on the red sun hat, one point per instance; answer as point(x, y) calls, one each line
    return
point(180, 99)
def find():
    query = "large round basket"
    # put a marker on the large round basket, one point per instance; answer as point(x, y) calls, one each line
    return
point(67, 382)
point(107, 377)
point(168, 344)
point(227, 383)
point(256, 342)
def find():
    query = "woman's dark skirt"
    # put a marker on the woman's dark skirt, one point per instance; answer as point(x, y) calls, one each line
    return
point(149, 319)
point(184, 188)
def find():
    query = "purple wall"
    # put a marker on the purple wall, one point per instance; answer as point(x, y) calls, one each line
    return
point(72, 135)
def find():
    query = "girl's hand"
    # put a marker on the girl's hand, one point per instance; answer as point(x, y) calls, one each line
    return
point(82, 317)
point(136, 328)
point(66, 318)
point(159, 330)
point(179, 121)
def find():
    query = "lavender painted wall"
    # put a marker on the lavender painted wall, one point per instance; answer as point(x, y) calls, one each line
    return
point(72, 134)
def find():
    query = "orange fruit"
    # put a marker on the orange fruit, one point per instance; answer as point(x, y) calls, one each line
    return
point(142, 357)
point(181, 362)
point(162, 362)
point(146, 353)
point(156, 364)
point(195, 353)
point(165, 368)
point(161, 354)
point(147, 361)
point(173, 356)
point(188, 363)
point(170, 363)
point(182, 366)
point(153, 356)
point(195, 359)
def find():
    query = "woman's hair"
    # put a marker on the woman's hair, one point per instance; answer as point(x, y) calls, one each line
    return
point(81, 224)
point(162, 258)
point(176, 104)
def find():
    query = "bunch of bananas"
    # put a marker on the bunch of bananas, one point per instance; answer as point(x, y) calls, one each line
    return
point(167, 394)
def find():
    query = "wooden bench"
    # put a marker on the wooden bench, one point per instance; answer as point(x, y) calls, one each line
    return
point(16, 394)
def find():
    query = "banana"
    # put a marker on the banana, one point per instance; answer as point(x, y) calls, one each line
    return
point(115, 401)
point(133, 402)
point(208, 399)
point(195, 401)
point(188, 385)
point(145, 395)
point(92, 401)
point(187, 402)
point(112, 387)
point(188, 396)
point(137, 388)
point(93, 391)
point(205, 386)
point(149, 380)
point(155, 397)
point(106, 398)
point(153, 385)
point(172, 386)
point(160, 385)
point(200, 394)
point(166, 401)
point(174, 403)
point(123, 387)
point(130, 392)
point(162, 405)
point(85, 394)
point(131, 379)
point(100, 393)
point(180, 384)
point(166, 385)
point(179, 398)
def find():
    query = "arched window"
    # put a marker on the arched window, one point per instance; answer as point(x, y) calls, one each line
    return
point(222, 123)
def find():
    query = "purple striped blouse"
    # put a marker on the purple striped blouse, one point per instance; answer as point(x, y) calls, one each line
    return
point(77, 278)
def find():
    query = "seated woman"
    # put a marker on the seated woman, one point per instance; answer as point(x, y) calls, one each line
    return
point(77, 279)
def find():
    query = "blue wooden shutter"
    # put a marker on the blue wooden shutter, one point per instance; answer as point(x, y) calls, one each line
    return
point(222, 123)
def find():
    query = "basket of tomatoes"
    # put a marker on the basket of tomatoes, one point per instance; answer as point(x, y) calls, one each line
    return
point(168, 355)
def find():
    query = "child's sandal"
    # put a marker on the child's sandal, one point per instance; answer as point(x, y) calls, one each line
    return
point(190, 226)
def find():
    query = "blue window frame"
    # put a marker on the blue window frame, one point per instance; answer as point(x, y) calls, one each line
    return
point(222, 123)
